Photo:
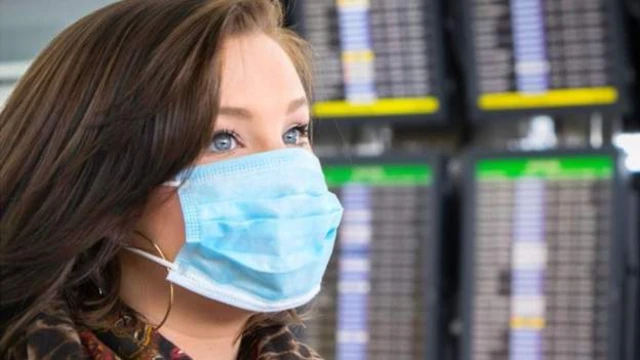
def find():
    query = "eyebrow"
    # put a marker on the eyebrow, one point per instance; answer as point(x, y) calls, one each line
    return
point(243, 113)
point(297, 104)
point(235, 112)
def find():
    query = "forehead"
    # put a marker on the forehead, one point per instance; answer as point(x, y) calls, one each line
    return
point(255, 70)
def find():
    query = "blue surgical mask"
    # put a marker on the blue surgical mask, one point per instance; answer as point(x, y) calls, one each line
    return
point(260, 230)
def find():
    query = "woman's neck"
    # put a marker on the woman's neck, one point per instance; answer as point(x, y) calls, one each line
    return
point(202, 328)
point(218, 348)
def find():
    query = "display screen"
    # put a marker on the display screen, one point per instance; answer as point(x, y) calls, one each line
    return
point(373, 304)
point(543, 54)
point(542, 234)
point(373, 58)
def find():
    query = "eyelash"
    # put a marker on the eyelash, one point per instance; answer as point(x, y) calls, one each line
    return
point(303, 128)
point(227, 132)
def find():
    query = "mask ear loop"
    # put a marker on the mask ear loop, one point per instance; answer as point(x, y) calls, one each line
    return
point(171, 290)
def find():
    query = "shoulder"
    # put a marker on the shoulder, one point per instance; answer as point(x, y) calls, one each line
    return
point(50, 335)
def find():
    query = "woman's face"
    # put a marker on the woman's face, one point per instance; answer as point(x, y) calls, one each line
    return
point(263, 107)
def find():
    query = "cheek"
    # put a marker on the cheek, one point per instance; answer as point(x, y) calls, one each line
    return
point(163, 222)
point(174, 227)
point(308, 145)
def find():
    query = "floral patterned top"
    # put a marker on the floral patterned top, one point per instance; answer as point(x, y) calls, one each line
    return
point(52, 335)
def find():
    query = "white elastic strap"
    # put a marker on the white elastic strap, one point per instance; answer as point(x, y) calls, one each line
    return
point(172, 183)
point(155, 259)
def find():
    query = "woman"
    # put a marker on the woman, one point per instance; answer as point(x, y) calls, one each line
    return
point(159, 197)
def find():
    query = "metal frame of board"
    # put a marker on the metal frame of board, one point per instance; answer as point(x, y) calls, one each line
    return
point(297, 19)
point(434, 321)
point(632, 285)
point(620, 72)
point(618, 230)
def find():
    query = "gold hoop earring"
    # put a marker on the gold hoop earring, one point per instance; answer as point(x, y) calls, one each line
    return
point(171, 290)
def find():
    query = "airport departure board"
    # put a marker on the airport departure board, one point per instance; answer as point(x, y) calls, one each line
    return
point(379, 294)
point(632, 309)
point(542, 261)
point(533, 55)
point(374, 58)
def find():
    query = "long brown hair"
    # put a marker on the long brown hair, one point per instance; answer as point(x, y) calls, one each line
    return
point(117, 104)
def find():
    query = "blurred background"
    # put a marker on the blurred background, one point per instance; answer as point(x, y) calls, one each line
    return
point(487, 154)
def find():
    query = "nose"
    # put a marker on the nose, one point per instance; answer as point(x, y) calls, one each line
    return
point(268, 140)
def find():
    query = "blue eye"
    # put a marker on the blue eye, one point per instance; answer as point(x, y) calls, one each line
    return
point(223, 141)
point(294, 135)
